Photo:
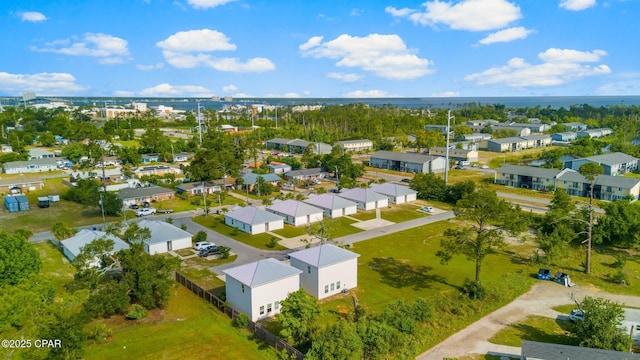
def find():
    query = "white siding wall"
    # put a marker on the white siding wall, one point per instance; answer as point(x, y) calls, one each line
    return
point(350, 210)
point(308, 278)
point(274, 225)
point(411, 197)
point(268, 294)
point(239, 300)
point(176, 244)
point(345, 272)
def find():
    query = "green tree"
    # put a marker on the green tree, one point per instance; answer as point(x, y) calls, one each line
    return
point(488, 216)
point(621, 225)
point(47, 139)
point(339, 341)
point(457, 191)
point(461, 130)
point(601, 328)
point(429, 187)
point(382, 341)
point(429, 139)
point(297, 319)
point(61, 231)
point(590, 171)
point(18, 259)
point(74, 151)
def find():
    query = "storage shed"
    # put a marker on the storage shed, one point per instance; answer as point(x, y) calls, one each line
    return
point(23, 203)
point(11, 204)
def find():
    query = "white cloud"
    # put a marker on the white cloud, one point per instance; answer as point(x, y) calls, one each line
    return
point(471, 15)
point(205, 4)
point(229, 88)
point(446, 94)
point(356, 12)
point(621, 84)
point(386, 56)
point(32, 16)
point(345, 77)
point(190, 49)
point(151, 67)
point(289, 95)
point(41, 83)
point(124, 93)
point(559, 66)
point(506, 35)
point(109, 49)
point(179, 90)
point(368, 94)
point(577, 5)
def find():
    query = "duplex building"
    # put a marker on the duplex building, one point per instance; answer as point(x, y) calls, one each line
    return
point(575, 126)
point(606, 187)
point(72, 247)
point(165, 237)
point(356, 145)
point(564, 136)
point(297, 146)
point(252, 220)
point(366, 199)
point(295, 212)
point(305, 174)
point(332, 206)
point(407, 162)
point(33, 166)
point(130, 196)
point(38, 153)
point(518, 143)
point(397, 194)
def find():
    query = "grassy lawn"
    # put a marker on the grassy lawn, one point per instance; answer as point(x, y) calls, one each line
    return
point(290, 231)
point(364, 215)
point(197, 270)
point(178, 204)
point(54, 265)
point(342, 227)
point(188, 328)
point(216, 223)
point(535, 328)
point(403, 212)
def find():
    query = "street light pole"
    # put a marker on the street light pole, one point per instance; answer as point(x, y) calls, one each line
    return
point(104, 223)
point(446, 151)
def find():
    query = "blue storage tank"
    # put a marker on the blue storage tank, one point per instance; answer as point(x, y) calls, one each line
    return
point(23, 203)
point(11, 204)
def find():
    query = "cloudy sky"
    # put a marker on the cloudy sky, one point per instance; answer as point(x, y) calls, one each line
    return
point(319, 48)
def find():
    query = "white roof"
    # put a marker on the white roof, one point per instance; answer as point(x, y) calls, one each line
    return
point(293, 208)
point(261, 272)
point(362, 195)
point(162, 231)
point(75, 243)
point(330, 201)
point(392, 189)
point(324, 255)
point(252, 215)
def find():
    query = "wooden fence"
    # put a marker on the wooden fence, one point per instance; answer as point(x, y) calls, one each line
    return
point(257, 329)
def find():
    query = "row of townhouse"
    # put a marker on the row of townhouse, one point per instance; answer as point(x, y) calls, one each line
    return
point(297, 146)
point(518, 143)
point(469, 154)
point(407, 162)
point(606, 187)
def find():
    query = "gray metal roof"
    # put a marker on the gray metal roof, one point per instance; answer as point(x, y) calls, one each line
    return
point(251, 178)
point(45, 161)
point(323, 255)
point(612, 158)
point(547, 351)
point(162, 231)
point(362, 195)
point(261, 272)
point(131, 193)
point(293, 208)
point(329, 201)
point(537, 137)
point(507, 140)
point(528, 171)
point(568, 175)
point(353, 141)
point(252, 215)
point(302, 172)
point(75, 243)
point(406, 157)
point(392, 189)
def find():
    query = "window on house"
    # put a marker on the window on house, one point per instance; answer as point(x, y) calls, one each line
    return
point(276, 305)
point(338, 285)
point(333, 286)
point(309, 269)
point(619, 189)
point(262, 310)
point(326, 289)
point(242, 287)
point(268, 307)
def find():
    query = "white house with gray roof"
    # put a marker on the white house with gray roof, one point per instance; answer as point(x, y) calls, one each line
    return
point(72, 246)
point(258, 288)
point(326, 269)
point(33, 166)
point(366, 199)
point(295, 212)
point(532, 350)
point(39, 153)
point(407, 162)
point(332, 206)
point(165, 237)
point(397, 194)
point(614, 164)
point(252, 220)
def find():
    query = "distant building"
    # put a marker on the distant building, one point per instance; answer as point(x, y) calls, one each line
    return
point(38, 153)
point(252, 220)
point(305, 174)
point(297, 146)
point(333, 206)
point(182, 156)
point(407, 162)
point(33, 166)
point(564, 136)
point(455, 153)
point(4, 148)
point(397, 194)
point(595, 133)
point(356, 145)
point(367, 199)
point(295, 212)
point(72, 247)
point(575, 126)
point(614, 163)
point(165, 237)
point(279, 168)
point(130, 196)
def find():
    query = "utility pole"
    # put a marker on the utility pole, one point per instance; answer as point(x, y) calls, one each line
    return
point(199, 124)
point(104, 223)
point(204, 198)
point(446, 153)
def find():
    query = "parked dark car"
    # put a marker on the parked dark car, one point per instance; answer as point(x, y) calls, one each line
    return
point(544, 274)
point(211, 250)
point(405, 180)
point(146, 204)
point(134, 207)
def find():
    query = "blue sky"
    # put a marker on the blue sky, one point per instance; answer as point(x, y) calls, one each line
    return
point(316, 48)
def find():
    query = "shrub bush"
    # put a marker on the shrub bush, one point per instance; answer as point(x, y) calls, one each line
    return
point(241, 321)
point(224, 252)
point(474, 290)
point(137, 312)
point(100, 333)
point(273, 242)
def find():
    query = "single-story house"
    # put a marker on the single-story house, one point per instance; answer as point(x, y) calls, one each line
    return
point(112, 161)
point(366, 199)
point(439, 128)
point(182, 156)
point(164, 237)
point(537, 140)
point(305, 174)
point(149, 158)
point(258, 288)
point(38, 153)
point(575, 126)
point(478, 125)
point(407, 162)
point(23, 183)
point(130, 196)
point(4, 148)
point(455, 153)
point(295, 212)
point(333, 206)
point(252, 220)
point(564, 136)
point(297, 146)
point(227, 128)
point(356, 145)
point(520, 131)
point(614, 164)
point(251, 179)
point(279, 168)
point(476, 137)
point(326, 269)
point(595, 133)
point(72, 246)
point(208, 187)
point(518, 143)
point(533, 350)
point(33, 166)
point(159, 170)
point(397, 194)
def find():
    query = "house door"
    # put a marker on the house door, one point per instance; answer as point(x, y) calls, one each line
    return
point(266, 227)
point(169, 247)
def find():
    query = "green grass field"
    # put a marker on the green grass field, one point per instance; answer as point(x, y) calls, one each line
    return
point(290, 231)
point(536, 328)
point(216, 223)
point(54, 265)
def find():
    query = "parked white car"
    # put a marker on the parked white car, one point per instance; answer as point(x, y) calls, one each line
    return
point(202, 244)
point(145, 212)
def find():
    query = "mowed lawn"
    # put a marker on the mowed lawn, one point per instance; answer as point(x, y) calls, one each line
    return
point(188, 328)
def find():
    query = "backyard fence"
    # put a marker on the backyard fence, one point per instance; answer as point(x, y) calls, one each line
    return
point(255, 328)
